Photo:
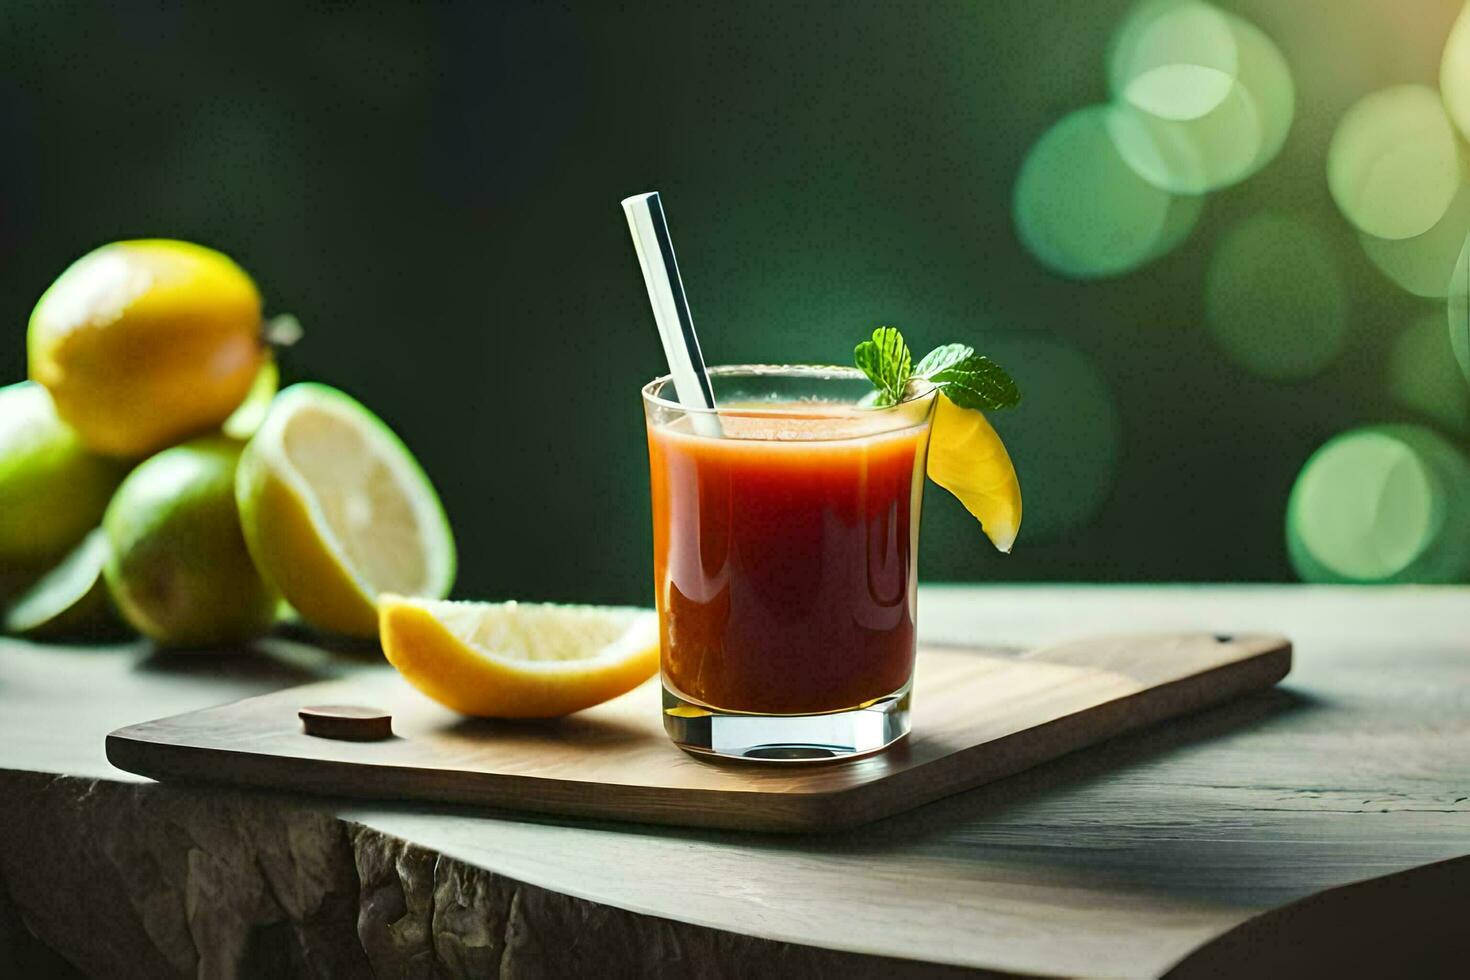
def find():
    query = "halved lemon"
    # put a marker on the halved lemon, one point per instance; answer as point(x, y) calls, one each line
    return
point(518, 659)
point(967, 458)
point(336, 510)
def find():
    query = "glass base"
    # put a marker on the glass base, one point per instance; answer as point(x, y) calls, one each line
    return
point(787, 738)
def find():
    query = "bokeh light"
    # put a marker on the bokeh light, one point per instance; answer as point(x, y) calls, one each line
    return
point(1394, 163)
point(1191, 156)
point(1173, 34)
point(1423, 265)
point(1458, 308)
point(1084, 213)
point(1454, 72)
point(1274, 298)
point(1204, 99)
point(1423, 376)
point(1381, 504)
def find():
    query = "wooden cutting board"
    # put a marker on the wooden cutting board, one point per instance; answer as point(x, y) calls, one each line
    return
point(978, 715)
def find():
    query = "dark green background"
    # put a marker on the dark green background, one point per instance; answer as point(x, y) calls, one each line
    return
point(434, 192)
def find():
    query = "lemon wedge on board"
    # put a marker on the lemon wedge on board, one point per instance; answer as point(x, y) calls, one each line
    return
point(518, 659)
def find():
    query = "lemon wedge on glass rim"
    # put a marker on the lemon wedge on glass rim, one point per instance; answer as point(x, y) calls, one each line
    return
point(518, 659)
point(967, 458)
point(335, 511)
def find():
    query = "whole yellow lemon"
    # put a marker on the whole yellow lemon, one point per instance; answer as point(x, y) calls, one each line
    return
point(145, 343)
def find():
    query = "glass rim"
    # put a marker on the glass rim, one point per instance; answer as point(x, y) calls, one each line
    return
point(832, 372)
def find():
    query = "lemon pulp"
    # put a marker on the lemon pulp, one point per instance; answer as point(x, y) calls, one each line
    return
point(336, 511)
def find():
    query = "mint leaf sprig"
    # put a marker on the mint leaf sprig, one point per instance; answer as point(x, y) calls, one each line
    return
point(968, 379)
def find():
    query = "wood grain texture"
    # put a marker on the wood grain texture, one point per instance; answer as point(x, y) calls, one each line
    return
point(1123, 859)
point(978, 716)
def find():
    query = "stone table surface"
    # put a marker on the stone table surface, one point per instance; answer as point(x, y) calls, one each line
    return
point(1327, 818)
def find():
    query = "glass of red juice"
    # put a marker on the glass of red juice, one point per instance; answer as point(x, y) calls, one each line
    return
point(785, 545)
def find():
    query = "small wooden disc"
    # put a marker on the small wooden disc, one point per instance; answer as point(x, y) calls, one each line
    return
point(350, 722)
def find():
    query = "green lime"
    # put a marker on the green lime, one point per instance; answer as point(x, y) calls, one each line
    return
point(52, 490)
point(177, 567)
point(70, 600)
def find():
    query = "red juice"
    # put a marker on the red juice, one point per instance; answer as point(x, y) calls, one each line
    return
point(785, 557)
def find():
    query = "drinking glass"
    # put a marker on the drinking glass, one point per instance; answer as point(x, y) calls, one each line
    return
point(785, 544)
